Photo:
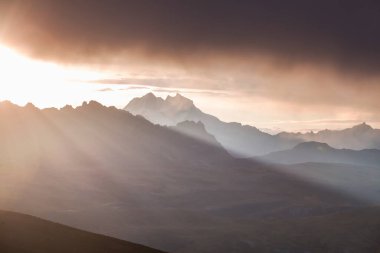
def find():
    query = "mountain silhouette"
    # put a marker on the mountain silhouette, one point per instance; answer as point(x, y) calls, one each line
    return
point(171, 111)
point(240, 140)
point(244, 140)
point(107, 171)
point(323, 153)
point(358, 137)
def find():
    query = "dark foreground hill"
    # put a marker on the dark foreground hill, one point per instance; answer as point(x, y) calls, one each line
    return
point(104, 170)
point(20, 233)
point(348, 231)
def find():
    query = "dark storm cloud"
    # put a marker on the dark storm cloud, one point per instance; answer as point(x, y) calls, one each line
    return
point(345, 34)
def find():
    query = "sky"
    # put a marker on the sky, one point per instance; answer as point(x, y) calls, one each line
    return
point(278, 65)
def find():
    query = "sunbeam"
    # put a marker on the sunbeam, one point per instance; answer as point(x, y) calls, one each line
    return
point(24, 80)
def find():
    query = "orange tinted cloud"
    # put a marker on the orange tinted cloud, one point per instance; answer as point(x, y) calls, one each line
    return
point(310, 54)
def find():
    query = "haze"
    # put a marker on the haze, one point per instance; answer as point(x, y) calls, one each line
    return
point(186, 126)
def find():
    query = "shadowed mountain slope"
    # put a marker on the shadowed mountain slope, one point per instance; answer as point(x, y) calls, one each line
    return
point(197, 131)
point(322, 153)
point(20, 233)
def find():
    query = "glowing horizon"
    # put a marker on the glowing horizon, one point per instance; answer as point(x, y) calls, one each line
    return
point(46, 84)
point(25, 80)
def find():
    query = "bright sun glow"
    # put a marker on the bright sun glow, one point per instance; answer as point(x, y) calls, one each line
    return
point(24, 80)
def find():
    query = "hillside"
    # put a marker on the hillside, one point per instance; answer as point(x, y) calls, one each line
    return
point(20, 233)
point(356, 231)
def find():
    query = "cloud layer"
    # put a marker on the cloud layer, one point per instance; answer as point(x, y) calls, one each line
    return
point(344, 33)
point(324, 53)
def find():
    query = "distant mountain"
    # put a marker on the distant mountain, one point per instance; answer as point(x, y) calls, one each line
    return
point(197, 131)
point(323, 153)
point(104, 170)
point(22, 233)
point(240, 140)
point(168, 112)
point(358, 137)
point(244, 140)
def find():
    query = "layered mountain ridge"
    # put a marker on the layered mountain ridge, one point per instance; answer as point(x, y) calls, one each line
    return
point(240, 140)
point(317, 152)
point(361, 136)
point(107, 171)
point(243, 140)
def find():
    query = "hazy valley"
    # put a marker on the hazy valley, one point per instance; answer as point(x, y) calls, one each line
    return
point(175, 188)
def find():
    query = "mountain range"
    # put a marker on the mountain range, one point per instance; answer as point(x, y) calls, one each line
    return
point(323, 153)
point(240, 140)
point(244, 140)
point(104, 170)
point(358, 137)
